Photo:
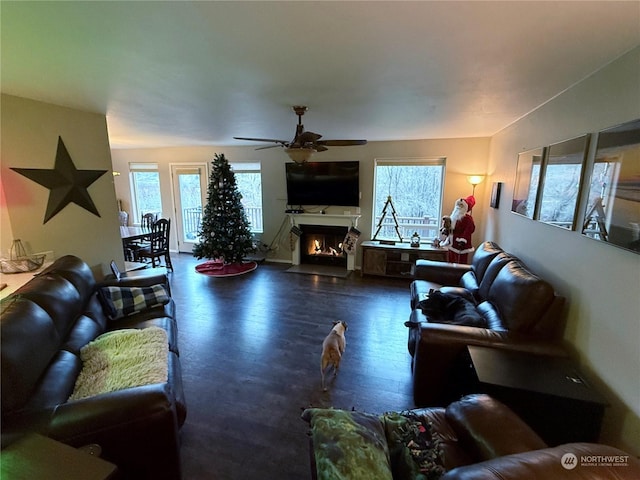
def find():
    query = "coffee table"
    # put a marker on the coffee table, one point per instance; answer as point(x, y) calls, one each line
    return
point(549, 393)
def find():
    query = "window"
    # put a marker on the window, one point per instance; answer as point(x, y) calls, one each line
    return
point(249, 181)
point(415, 188)
point(145, 189)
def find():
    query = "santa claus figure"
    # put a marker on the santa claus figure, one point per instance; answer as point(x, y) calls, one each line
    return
point(462, 226)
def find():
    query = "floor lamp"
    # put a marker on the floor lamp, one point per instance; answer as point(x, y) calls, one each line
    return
point(474, 180)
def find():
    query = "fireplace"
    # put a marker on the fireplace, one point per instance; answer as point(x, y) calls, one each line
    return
point(305, 220)
point(322, 245)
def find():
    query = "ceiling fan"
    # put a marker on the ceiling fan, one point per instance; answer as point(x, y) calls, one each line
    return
point(304, 144)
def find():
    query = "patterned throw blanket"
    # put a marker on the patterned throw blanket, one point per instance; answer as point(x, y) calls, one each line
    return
point(351, 445)
point(122, 359)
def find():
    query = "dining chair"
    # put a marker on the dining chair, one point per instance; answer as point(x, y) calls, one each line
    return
point(159, 244)
point(148, 219)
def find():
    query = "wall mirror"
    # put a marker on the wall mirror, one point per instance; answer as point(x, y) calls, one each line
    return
point(561, 177)
point(613, 205)
point(527, 179)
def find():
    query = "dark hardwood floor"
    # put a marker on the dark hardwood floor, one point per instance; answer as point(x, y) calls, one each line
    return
point(250, 352)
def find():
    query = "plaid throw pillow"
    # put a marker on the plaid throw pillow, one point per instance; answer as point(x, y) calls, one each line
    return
point(122, 301)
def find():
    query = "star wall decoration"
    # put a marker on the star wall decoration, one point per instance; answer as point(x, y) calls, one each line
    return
point(66, 183)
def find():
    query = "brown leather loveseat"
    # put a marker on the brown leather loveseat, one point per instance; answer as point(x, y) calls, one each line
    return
point(474, 438)
point(496, 301)
point(44, 326)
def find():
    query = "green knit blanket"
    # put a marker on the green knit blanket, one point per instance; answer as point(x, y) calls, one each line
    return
point(122, 359)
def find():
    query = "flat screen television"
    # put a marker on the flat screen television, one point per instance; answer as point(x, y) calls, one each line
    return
point(323, 183)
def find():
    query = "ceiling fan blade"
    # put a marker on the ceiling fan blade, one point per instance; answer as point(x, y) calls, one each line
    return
point(269, 146)
point(303, 141)
point(341, 143)
point(308, 137)
point(270, 140)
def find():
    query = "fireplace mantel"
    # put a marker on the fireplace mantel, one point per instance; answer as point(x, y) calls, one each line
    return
point(328, 219)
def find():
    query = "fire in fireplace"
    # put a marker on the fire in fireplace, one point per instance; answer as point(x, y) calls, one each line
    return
point(322, 245)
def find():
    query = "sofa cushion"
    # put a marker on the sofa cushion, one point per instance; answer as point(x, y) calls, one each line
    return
point(76, 272)
point(58, 297)
point(494, 267)
point(521, 297)
point(122, 301)
point(348, 445)
point(24, 362)
point(56, 384)
point(84, 330)
point(491, 316)
point(469, 282)
point(482, 257)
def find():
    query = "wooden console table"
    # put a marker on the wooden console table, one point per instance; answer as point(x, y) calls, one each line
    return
point(397, 260)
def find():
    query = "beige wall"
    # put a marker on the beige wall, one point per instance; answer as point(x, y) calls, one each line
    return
point(601, 282)
point(30, 131)
point(464, 156)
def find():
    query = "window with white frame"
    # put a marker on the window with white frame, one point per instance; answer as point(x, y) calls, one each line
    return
point(145, 190)
point(249, 181)
point(415, 187)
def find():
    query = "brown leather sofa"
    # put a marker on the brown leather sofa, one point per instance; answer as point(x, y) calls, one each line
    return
point(44, 325)
point(512, 307)
point(479, 439)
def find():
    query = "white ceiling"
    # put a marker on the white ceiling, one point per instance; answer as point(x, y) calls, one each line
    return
point(196, 73)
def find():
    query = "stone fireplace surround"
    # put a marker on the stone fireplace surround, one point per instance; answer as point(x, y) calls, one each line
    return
point(301, 219)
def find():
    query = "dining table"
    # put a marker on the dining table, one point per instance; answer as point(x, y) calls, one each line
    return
point(131, 235)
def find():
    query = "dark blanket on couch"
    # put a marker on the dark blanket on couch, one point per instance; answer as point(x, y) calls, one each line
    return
point(448, 308)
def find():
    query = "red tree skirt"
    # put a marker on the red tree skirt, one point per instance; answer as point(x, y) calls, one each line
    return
point(217, 268)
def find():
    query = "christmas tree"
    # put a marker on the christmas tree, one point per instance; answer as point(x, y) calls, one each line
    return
point(224, 233)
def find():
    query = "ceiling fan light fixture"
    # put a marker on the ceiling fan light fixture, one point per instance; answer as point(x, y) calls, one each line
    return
point(300, 155)
point(304, 144)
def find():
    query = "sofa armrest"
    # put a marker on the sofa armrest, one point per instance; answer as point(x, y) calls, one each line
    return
point(440, 364)
point(440, 272)
point(150, 278)
point(481, 421)
point(140, 419)
point(110, 411)
point(460, 335)
point(550, 463)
